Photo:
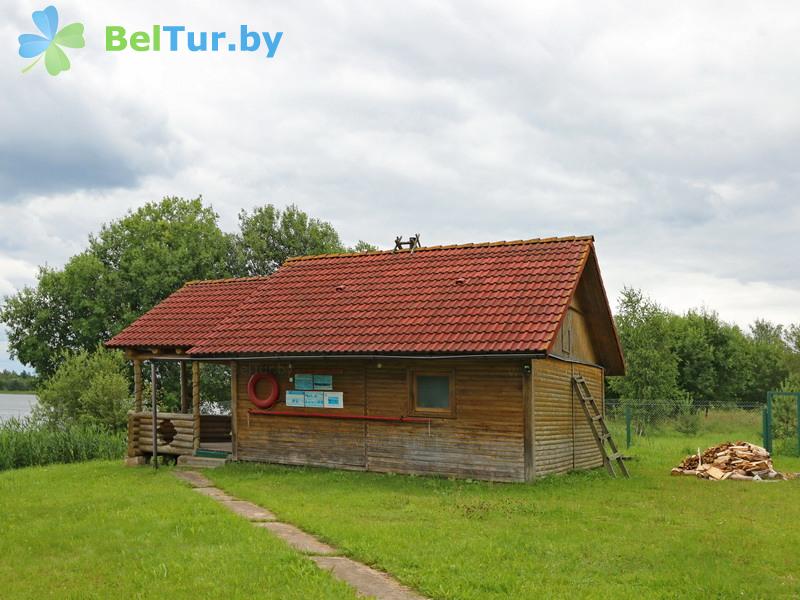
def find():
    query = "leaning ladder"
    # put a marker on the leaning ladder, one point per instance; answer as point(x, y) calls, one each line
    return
point(600, 431)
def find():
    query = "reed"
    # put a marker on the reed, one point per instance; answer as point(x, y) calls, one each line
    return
point(25, 443)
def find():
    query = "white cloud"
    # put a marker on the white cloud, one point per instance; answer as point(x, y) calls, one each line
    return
point(669, 131)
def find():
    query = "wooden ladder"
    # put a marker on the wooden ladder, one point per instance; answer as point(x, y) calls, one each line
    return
point(597, 423)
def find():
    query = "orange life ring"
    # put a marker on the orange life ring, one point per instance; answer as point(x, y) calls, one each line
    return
point(270, 400)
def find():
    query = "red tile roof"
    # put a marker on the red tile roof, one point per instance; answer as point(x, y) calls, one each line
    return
point(503, 297)
point(188, 316)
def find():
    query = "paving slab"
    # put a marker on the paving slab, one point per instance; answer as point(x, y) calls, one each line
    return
point(215, 493)
point(194, 478)
point(248, 510)
point(298, 539)
point(366, 580)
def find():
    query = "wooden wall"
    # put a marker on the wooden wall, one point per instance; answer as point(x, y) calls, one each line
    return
point(573, 339)
point(140, 433)
point(302, 441)
point(562, 440)
point(485, 439)
point(587, 455)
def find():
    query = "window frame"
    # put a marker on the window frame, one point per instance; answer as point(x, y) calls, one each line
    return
point(413, 394)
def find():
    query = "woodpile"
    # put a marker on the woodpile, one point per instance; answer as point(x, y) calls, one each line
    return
point(740, 461)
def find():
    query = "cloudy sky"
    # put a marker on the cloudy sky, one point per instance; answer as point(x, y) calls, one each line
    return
point(670, 131)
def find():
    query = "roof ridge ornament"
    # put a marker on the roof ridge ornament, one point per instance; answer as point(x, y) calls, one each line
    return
point(412, 243)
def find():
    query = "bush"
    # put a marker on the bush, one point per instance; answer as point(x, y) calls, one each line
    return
point(88, 388)
point(27, 442)
point(688, 423)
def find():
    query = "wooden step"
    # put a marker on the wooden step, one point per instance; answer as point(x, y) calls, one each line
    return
point(207, 453)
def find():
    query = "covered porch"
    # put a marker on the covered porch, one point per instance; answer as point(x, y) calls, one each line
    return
point(175, 436)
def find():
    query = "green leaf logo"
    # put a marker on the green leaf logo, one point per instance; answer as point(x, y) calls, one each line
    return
point(32, 45)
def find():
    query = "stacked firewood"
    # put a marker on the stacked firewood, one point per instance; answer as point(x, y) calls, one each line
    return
point(740, 461)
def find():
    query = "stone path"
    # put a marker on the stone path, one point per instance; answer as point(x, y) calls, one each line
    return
point(366, 580)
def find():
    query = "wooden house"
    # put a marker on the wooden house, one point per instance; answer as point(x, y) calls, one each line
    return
point(449, 360)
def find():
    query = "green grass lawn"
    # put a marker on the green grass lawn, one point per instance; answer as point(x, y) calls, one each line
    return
point(582, 535)
point(101, 530)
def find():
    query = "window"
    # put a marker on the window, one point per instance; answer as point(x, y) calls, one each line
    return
point(432, 393)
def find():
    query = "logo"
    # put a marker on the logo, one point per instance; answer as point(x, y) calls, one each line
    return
point(50, 42)
point(178, 37)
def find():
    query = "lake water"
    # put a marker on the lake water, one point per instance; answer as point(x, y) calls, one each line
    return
point(16, 405)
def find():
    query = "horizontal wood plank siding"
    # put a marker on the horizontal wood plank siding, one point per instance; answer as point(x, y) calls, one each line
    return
point(485, 439)
point(562, 438)
point(215, 428)
point(552, 415)
point(302, 441)
point(587, 455)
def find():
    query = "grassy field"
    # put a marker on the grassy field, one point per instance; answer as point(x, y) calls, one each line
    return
point(577, 536)
point(100, 530)
point(20, 392)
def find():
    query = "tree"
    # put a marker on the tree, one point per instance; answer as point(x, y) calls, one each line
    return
point(269, 236)
point(87, 388)
point(652, 366)
point(130, 266)
point(696, 354)
point(768, 357)
point(137, 261)
point(792, 337)
point(712, 358)
point(155, 250)
point(767, 360)
point(362, 247)
point(792, 334)
point(11, 381)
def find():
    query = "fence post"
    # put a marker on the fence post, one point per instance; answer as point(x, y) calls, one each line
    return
point(629, 419)
point(797, 424)
point(768, 424)
point(764, 434)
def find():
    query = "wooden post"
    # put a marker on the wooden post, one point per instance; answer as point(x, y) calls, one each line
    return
point(131, 440)
point(137, 385)
point(234, 425)
point(527, 406)
point(196, 402)
point(155, 412)
point(184, 391)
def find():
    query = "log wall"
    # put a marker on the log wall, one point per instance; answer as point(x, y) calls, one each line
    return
point(140, 433)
